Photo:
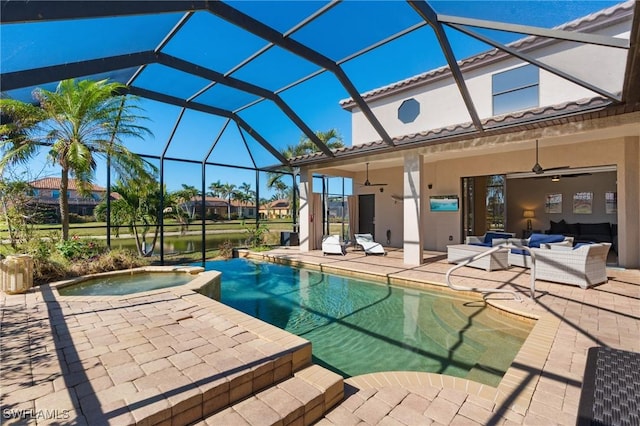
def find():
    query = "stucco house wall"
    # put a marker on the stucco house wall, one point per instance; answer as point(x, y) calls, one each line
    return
point(441, 104)
point(444, 228)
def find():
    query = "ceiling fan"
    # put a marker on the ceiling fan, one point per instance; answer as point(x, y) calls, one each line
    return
point(366, 181)
point(537, 168)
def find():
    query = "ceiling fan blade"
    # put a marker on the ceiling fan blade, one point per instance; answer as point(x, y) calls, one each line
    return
point(576, 175)
point(556, 177)
point(367, 183)
point(557, 168)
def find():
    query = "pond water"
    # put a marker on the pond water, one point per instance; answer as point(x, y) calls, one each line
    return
point(184, 243)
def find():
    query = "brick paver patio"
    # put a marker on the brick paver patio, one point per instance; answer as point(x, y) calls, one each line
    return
point(175, 356)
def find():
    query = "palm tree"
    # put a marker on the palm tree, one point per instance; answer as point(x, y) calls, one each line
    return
point(138, 205)
point(186, 199)
point(216, 188)
point(246, 189)
point(227, 191)
point(247, 195)
point(78, 123)
point(305, 146)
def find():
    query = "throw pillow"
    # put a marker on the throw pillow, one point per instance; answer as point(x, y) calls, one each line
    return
point(536, 239)
point(558, 227)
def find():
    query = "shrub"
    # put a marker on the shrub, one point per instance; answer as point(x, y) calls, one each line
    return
point(46, 270)
point(256, 236)
point(226, 249)
point(114, 260)
point(76, 218)
point(78, 249)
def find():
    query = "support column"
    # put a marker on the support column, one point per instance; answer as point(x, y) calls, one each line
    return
point(629, 204)
point(306, 189)
point(414, 215)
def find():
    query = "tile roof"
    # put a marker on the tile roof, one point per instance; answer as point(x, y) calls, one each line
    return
point(217, 201)
point(520, 120)
point(277, 204)
point(587, 22)
point(54, 183)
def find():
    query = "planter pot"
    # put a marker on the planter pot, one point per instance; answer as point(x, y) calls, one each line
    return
point(16, 273)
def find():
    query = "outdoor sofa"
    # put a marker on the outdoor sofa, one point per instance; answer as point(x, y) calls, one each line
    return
point(603, 232)
point(521, 257)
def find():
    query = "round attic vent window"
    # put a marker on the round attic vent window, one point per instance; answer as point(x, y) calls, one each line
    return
point(408, 110)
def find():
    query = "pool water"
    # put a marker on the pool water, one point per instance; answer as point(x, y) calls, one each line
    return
point(358, 327)
point(116, 285)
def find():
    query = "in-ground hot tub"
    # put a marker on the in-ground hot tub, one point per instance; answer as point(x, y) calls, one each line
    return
point(130, 281)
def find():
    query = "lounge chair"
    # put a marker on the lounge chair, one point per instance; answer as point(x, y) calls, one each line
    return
point(369, 245)
point(331, 244)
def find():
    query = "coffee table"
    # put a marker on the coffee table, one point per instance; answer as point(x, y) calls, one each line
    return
point(458, 253)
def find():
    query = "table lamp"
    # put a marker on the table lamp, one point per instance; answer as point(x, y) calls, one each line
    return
point(528, 214)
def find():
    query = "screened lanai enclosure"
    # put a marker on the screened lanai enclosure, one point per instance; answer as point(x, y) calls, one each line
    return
point(229, 87)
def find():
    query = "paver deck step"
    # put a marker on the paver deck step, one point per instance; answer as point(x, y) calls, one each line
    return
point(300, 400)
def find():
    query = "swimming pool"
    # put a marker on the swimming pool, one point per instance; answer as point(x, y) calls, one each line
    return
point(358, 327)
point(121, 284)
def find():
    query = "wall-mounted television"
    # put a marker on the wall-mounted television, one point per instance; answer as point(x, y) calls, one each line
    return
point(444, 203)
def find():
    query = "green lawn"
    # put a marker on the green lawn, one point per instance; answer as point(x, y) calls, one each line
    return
point(98, 229)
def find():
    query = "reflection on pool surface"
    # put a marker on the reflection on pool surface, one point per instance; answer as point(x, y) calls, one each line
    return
point(115, 285)
point(358, 327)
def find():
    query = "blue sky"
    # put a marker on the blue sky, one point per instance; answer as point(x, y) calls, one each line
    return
point(213, 43)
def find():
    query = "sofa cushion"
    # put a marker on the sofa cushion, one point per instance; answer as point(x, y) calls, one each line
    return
point(577, 246)
point(558, 227)
point(595, 229)
point(574, 228)
point(520, 251)
point(489, 236)
point(480, 244)
point(536, 239)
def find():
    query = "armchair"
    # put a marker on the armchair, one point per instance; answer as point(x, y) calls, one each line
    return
point(583, 265)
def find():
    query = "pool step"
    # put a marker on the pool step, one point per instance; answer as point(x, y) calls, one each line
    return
point(489, 367)
point(300, 400)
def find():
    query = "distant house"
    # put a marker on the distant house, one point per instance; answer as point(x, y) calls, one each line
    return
point(276, 209)
point(46, 194)
point(216, 208)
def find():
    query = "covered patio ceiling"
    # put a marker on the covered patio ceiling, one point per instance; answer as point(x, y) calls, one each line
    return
point(268, 67)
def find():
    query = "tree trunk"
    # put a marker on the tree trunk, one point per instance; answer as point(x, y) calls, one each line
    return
point(64, 203)
point(12, 235)
point(153, 243)
point(138, 242)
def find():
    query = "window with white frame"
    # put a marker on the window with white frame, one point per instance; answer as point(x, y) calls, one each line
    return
point(515, 89)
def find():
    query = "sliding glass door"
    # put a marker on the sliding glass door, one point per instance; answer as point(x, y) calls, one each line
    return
point(483, 204)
